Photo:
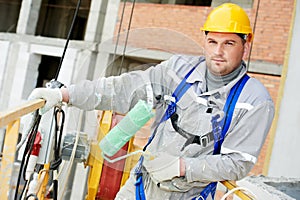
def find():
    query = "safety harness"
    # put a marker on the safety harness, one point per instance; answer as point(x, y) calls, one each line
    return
point(219, 129)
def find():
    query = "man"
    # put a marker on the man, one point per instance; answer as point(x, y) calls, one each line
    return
point(187, 151)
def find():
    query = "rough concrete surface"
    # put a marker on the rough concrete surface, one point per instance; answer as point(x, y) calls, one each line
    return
point(272, 188)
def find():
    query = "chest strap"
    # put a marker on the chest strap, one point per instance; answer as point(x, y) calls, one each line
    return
point(202, 140)
point(220, 128)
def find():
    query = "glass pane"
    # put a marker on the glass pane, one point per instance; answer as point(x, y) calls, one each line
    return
point(9, 14)
point(56, 17)
point(180, 2)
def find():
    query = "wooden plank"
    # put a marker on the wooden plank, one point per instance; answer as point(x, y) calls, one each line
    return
point(7, 163)
point(15, 113)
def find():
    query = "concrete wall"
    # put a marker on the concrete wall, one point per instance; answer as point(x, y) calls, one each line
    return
point(21, 56)
point(285, 154)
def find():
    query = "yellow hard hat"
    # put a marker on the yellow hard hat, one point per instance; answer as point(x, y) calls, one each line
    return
point(228, 18)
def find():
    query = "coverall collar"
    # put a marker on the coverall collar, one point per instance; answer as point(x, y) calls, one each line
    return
point(199, 76)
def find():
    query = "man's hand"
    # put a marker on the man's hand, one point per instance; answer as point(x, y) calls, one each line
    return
point(162, 167)
point(53, 97)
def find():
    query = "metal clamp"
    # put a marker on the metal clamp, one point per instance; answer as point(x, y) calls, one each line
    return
point(54, 84)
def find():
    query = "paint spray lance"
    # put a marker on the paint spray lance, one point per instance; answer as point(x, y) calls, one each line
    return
point(119, 135)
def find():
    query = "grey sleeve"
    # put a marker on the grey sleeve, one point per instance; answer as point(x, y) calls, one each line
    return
point(118, 93)
point(239, 151)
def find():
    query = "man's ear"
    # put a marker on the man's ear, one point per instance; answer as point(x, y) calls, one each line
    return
point(246, 50)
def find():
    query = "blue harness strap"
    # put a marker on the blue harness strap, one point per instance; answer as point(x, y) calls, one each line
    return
point(220, 128)
point(177, 94)
point(139, 185)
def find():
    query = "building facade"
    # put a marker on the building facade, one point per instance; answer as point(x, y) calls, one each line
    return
point(112, 37)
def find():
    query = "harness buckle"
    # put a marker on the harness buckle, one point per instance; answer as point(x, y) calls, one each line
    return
point(204, 140)
point(169, 99)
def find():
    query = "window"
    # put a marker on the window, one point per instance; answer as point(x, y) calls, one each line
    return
point(242, 3)
point(180, 2)
point(127, 64)
point(9, 14)
point(213, 3)
point(47, 70)
point(56, 16)
point(194, 2)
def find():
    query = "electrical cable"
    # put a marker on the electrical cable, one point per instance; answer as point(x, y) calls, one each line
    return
point(25, 135)
point(22, 196)
point(72, 157)
point(32, 195)
point(119, 31)
point(236, 189)
point(61, 127)
point(68, 39)
point(254, 27)
point(28, 148)
point(54, 164)
point(127, 34)
point(22, 193)
point(63, 163)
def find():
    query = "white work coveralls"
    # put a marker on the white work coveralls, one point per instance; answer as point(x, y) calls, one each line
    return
point(245, 137)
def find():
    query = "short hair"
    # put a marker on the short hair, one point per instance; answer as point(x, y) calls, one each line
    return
point(241, 35)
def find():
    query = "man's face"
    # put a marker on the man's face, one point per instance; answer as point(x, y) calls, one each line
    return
point(224, 52)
